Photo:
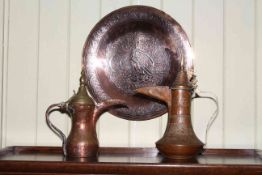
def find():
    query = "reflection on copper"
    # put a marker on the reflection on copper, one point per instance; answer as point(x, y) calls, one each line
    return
point(134, 47)
point(179, 140)
point(82, 140)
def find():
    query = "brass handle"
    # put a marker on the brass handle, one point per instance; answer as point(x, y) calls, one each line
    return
point(212, 97)
point(63, 108)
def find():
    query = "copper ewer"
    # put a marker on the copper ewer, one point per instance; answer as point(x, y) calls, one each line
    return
point(82, 140)
point(179, 140)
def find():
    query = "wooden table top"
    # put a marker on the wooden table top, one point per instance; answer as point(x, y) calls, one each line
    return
point(49, 160)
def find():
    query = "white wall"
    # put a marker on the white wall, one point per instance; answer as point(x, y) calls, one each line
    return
point(40, 60)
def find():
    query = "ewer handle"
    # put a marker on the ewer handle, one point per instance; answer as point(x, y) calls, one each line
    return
point(63, 108)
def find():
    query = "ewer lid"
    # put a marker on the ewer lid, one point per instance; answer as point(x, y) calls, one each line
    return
point(82, 97)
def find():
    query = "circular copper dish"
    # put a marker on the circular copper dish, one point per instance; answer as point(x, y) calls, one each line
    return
point(133, 47)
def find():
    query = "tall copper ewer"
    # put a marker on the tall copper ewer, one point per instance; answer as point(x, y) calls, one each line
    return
point(179, 140)
point(82, 140)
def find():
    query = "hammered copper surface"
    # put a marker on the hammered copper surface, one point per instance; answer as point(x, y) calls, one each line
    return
point(179, 140)
point(133, 47)
point(82, 140)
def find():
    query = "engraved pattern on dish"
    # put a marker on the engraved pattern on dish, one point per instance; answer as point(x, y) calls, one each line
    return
point(133, 47)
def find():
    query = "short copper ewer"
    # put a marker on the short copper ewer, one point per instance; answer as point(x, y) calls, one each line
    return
point(179, 140)
point(82, 140)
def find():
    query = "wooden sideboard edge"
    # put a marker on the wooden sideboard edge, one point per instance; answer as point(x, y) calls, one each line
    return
point(6, 150)
point(129, 150)
point(124, 168)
